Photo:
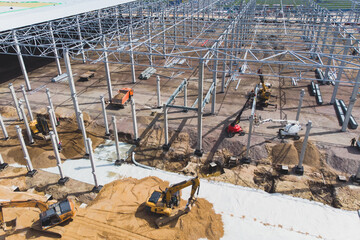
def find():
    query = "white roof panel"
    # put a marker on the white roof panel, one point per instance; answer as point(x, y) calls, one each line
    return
point(15, 14)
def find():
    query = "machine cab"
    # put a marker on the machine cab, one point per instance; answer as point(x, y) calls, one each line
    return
point(53, 215)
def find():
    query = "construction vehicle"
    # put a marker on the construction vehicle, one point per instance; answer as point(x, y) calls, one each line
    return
point(40, 128)
point(234, 127)
point(264, 92)
point(291, 129)
point(50, 216)
point(122, 98)
point(164, 202)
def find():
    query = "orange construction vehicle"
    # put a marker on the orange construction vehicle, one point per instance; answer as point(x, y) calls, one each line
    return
point(124, 95)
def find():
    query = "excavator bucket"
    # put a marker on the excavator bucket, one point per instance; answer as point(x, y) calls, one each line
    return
point(10, 226)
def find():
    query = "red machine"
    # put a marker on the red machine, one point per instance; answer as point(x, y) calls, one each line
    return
point(124, 95)
point(234, 127)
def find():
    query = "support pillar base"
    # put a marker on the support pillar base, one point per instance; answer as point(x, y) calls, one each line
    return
point(107, 135)
point(7, 138)
point(119, 162)
point(136, 141)
point(198, 153)
point(166, 147)
point(31, 173)
point(354, 179)
point(97, 189)
point(63, 180)
point(299, 170)
point(3, 166)
point(245, 160)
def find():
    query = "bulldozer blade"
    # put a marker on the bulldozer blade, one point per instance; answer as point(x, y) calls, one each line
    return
point(10, 226)
point(161, 221)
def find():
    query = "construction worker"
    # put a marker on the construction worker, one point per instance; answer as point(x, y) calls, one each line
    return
point(353, 141)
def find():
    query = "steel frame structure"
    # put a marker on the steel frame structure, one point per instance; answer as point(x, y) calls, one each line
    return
point(214, 37)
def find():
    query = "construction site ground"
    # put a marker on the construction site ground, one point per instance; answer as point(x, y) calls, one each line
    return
point(328, 154)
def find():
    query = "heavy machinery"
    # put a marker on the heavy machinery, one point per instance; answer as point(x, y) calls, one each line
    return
point(164, 202)
point(50, 216)
point(264, 92)
point(124, 95)
point(291, 129)
point(40, 128)
point(234, 127)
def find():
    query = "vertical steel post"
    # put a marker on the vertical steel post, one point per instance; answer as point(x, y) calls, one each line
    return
point(302, 94)
point(299, 169)
point(118, 157)
point(166, 145)
point(16, 102)
point(355, 92)
point(28, 131)
point(56, 54)
point(62, 179)
point(185, 93)
point(97, 187)
point(107, 133)
point(199, 150)
point(224, 64)
point(213, 103)
point(133, 77)
point(83, 130)
point(133, 112)
point(358, 173)
point(31, 171)
point(247, 158)
point(72, 85)
point(338, 79)
point(27, 103)
point(53, 125)
point(80, 39)
point(21, 61)
point(51, 105)
point(6, 136)
point(158, 91)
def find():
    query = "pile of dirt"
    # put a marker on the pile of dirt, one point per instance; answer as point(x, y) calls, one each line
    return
point(119, 213)
point(8, 111)
point(289, 153)
point(41, 152)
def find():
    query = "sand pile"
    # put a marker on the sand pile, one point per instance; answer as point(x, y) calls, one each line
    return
point(8, 111)
point(119, 213)
point(289, 153)
point(41, 153)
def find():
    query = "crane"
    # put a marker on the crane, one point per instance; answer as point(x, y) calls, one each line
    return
point(50, 216)
point(164, 202)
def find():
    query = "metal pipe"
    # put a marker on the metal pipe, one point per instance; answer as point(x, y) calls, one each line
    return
point(303, 149)
point(80, 39)
point(352, 102)
point(31, 140)
point(107, 133)
point(251, 120)
point(29, 166)
point(53, 125)
point(93, 166)
point(83, 130)
point(185, 94)
point(133, 112)
point(158, 91)
point(21, 61)
point(13, 94)
point(27, 103)
point(118, 157)
point(302, 94)
point(56, 152)
point(51, 105)
point(166, 127)
point(107, 70)
point(133, 77)
point(72, 85)
point(56, 54)
point(198, 150)
point(213, 103)
point(139, 164)
point(3, 127)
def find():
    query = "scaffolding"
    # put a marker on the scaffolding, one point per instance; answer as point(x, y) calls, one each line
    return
point(206, 37)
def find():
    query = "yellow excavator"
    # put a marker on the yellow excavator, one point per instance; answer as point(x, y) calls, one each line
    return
point(164, 202)
point(50, 216)
point(40, 128)
point(264, 92)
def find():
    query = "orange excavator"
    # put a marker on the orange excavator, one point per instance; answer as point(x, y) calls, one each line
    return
point(124, 95)
point(50, 216)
